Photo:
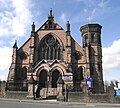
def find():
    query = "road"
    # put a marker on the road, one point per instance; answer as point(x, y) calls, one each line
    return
point(30, 104)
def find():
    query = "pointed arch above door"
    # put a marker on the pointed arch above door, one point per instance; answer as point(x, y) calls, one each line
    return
point(43, 78)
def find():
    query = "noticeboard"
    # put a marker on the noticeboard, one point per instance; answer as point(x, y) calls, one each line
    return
point(89, 82)
point(117, 92)
point(67, 78)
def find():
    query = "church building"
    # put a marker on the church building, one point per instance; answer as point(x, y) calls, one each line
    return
point(51, 53)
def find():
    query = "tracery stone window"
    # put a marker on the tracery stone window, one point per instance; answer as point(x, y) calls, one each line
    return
point(50, 48)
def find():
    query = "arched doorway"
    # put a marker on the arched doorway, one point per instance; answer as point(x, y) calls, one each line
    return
point(55, 76)
point(43, 78)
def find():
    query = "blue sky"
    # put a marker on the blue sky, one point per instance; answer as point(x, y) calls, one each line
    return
point(16, 17)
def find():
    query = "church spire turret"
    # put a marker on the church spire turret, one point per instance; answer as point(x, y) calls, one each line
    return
point(68, 43)
point(33, 28)
point(50, 16)
point(14, 56)
point(32, 44)
point(15, 45)
point(68, 28)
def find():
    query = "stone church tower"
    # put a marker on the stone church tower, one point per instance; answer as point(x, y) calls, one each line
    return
point(51, 52)
point(91, 40)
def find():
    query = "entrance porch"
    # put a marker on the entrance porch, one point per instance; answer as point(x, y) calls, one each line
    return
point(47, 84)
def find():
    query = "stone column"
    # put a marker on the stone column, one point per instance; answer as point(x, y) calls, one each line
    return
point(50, 79)
point(60, 84)
point(84, 88)
point(31, 88)
point(3, 88)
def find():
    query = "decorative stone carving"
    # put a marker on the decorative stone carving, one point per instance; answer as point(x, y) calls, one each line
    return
point(77, 55)
point(23, 55)
point(50, 40)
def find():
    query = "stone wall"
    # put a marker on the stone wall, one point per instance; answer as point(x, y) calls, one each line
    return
point(11, 94)
point(86, 97)
point(83, 97)
point(92, 98)
point(16, 95)
point(2, 88)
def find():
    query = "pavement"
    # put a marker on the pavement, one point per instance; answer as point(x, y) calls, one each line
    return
point(54, 101)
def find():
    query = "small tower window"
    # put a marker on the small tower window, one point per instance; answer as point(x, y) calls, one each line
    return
point(92, 37)
point(99, 39)
point(99, 67)
point(86, 39)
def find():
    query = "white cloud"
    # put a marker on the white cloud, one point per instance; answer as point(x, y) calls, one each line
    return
point(101, 8)
point(92, 8)
point(15, 17)
point(63, 20)
point(111, 57)
point(54, 3)
point(102, 3)
point(91, 3)
point(2, 78)
point(5, 61)
point(63, 17)
point(15, 20)
point(88, 3)
point(1, 42)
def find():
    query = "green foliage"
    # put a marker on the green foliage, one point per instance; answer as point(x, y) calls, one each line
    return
point(112, 84)
point(116, 83)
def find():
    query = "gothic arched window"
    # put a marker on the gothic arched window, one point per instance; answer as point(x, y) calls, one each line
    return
point(50, 48)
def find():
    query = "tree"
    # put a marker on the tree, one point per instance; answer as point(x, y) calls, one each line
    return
point(116, 83)
point(112, 84)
